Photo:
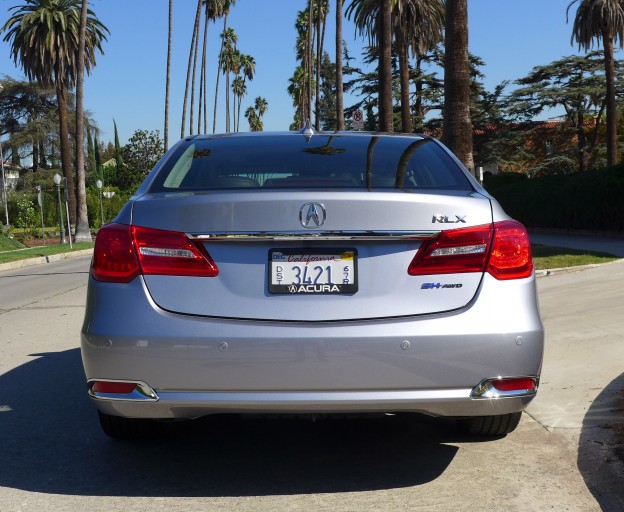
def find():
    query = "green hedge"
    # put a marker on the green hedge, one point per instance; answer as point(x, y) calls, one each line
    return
point(593, 200)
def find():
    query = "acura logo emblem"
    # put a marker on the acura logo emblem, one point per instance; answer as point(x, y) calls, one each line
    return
point(312, 215)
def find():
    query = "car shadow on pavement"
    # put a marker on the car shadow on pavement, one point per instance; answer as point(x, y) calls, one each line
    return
point(51, 442)
point(601, 447)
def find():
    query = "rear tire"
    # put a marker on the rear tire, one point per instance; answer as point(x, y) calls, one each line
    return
point(121, 428)
point(491, 425)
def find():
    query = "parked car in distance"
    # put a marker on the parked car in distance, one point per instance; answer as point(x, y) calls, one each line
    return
point(314, 273)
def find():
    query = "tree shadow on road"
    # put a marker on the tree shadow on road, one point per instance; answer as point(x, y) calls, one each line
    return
point(51, 442)
point(601, 448)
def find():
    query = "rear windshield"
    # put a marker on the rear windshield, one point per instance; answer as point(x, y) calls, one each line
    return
point(322, 162)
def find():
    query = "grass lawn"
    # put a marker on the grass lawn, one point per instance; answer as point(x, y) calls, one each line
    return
point(545, 257)
point(13, 254)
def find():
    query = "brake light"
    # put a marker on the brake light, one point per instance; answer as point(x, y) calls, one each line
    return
point(114, 258)
point(123, 252)
point(511, 252)
point(502, 249)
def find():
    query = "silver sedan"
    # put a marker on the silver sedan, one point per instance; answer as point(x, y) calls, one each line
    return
point(311, 273)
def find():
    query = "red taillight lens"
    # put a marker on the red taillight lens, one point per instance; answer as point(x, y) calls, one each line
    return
point(114, 258)
point(521, 384)
point(171, 253)
point(123, 252)
point(511, 251)
point(116, 388)
point(453, 251)
point(502, 249)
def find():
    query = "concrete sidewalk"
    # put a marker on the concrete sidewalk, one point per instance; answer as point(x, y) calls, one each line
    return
point(613, 246)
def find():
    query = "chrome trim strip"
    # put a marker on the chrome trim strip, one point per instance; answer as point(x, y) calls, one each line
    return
point(142, 393)
point(376, 236)
point(294, 398)
point(486, 390)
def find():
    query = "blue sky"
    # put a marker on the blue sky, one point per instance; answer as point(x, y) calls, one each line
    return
point(128, 83)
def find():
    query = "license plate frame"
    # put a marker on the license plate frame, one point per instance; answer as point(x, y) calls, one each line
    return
point(309, 280)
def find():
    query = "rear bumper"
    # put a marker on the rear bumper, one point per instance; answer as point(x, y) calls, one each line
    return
point(198, 366)
point(171, 405)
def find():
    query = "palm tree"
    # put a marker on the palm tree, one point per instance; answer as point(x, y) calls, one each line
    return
point(596, 20)
point(418, 24)
point(219, 9)
point(230, 63)
point(83, 233)
point(261, 105)
point(255, 124)
point(457, 127)
point(168, 79)
point(322, 8)
point(339, 86)
point(44, 37)
point(374, 18)
point(239, 89)
point(192, 52)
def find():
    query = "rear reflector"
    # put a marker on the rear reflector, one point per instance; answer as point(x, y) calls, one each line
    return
point(522, 384)
point(505, 388)
point(113, 388)
point(502, 249)
point(123, 252)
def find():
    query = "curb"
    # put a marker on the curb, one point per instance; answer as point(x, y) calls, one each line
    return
point(30, 262)
point(567, 270)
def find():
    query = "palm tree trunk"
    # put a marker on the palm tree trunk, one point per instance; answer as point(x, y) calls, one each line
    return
point(202, 78)
point(612, 151)
point(83, 233)
point(310, 61)
point(317, 94)
point(188, 69)
point(196, 52)
point(214, 116)
point(406, 115)
point(340, 123)
point(385, 67)
point(168, 79)
point(66, 158)
point(457, 127)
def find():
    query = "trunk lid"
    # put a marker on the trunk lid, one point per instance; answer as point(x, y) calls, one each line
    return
point(351, 221)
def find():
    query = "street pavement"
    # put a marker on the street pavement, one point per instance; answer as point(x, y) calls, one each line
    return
point(564, 455)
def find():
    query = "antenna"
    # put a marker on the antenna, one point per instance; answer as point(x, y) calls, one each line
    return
point(307, 130)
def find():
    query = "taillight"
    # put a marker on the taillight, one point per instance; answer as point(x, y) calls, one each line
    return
point(123, 252)
point(453, 251)
point(114, 258)
point(170, 253)
point(502, 249)
point(511, 251)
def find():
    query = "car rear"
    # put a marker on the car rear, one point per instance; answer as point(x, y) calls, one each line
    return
point(332, 273)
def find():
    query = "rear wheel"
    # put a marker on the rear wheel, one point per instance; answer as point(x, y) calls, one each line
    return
point(490, 425)
point(123, 428)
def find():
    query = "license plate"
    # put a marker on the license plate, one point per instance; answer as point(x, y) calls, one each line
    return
point(301, 271)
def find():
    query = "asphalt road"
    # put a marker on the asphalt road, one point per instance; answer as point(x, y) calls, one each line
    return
point(53, 456)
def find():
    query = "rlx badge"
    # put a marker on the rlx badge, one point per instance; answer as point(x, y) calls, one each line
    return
point(312, 215)
point(446, 219)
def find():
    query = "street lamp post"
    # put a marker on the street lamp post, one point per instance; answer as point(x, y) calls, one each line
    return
point(99, 184)
point(57, 182)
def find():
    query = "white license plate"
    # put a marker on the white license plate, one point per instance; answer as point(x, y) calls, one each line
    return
point(301, 271)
